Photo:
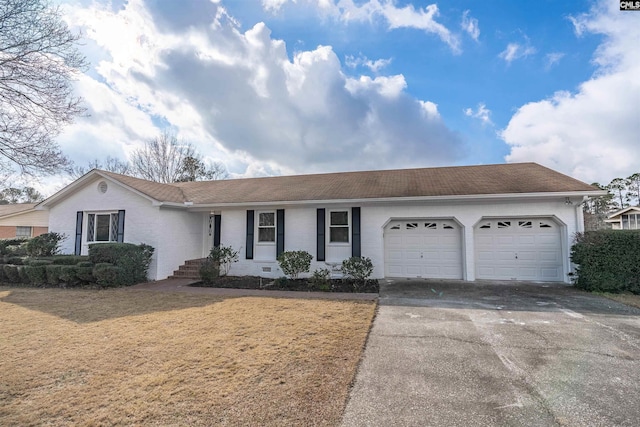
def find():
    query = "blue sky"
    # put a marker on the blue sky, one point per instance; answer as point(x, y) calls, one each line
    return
point(281, 87)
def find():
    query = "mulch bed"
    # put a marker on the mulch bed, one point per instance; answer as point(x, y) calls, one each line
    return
point(304, 285)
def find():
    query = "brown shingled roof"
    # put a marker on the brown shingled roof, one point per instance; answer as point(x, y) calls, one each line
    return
point(15, 208)
point(513, 178)
point(155, 190)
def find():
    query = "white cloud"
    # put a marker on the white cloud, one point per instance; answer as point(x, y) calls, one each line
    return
point(470, 25)
point(481, 112)
point(375, 66)
point(552, 59)
point(593, 133)
point(515, 51)
point(273, 5)
point(240, 98)
point(395, 17)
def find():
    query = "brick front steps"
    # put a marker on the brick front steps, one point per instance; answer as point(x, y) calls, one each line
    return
point(189, 270)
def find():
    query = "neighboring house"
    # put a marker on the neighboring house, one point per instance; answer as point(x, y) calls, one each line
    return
point(625, 219)
point(504, 222)
point(22, 220)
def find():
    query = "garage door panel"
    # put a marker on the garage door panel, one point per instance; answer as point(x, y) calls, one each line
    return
point(526, 240)
point(551, 273)
point(394, 240)
point(412, 241)
point(431, 249)
point(547, 239)
point(527, 256)
point(550, 256)
point(527, 249)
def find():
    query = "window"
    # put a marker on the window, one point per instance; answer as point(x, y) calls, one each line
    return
point(339, 227)
point(525, 224)
point(23, 231)
point(102, 227)
point(411, 225)
point(266, 227)
point(430, 225)
point(631, 222)
point(504, 224)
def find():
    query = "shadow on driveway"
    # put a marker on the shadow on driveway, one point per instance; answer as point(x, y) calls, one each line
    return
point(515, 296)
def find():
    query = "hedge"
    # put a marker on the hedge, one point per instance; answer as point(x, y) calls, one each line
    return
point(109, 275)
point(132, 261)
point(37, 274)
point(607, 261)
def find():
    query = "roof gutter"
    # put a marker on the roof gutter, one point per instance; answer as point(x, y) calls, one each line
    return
point(383, 200)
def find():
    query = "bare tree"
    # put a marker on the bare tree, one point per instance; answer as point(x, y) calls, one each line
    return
point(20, 195)
point(110, 164)
point(38, 59)
point(165, 159)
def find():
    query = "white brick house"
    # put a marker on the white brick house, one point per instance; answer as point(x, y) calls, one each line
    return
point(498, 222)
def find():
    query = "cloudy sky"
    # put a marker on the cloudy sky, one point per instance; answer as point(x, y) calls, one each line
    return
point(271, 87)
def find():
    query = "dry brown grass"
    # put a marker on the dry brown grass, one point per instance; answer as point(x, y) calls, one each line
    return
point(122, 357)
point(629, 299)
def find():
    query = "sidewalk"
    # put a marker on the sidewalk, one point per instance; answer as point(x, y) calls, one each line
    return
point(182, 285)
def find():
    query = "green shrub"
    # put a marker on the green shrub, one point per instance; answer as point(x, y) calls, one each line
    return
point(11, 273)
point(23, 274)
point(223, 257)
point(108, 275)
point(69, 259)
point(68, 275)
point(132, 261)
point(53, 274)
point(44, 245)
point(37, 262)
point(37, 274)
point(321, 279)
point(13, 260)
point(281, 282)
point(607, 261)
point(209, 271)
point(85, 273)
point(357, 268)
point(293, 263)
point(85, 264)
point(15, 246)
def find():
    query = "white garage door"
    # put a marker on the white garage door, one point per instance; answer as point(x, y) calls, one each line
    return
point(518, 249)
point(423, 248)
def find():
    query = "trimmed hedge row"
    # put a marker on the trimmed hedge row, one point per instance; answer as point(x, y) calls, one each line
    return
point(108, 265)
point(608, 260)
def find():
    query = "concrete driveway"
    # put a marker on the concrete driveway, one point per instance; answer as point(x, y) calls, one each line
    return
point(485, 354)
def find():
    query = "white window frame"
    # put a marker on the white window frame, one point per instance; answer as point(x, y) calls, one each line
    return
point(24, 227)
point(348, 226)
point(113, 234)
point(274, 226)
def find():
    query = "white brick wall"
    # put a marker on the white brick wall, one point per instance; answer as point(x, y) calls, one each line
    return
point(175, 234)
point(300, 229)
point(178, 235)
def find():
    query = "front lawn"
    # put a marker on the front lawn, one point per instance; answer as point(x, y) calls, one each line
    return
point(86, 357)
point(625, 298)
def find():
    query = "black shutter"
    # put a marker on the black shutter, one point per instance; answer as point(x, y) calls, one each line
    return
point(217, 220)
point(78, 248)
point(120, 237)
point(250, 225)
point(356, 249)
point(279, 232)
point(320, 242)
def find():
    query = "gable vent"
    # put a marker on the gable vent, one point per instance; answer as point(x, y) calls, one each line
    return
point(102, 187)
